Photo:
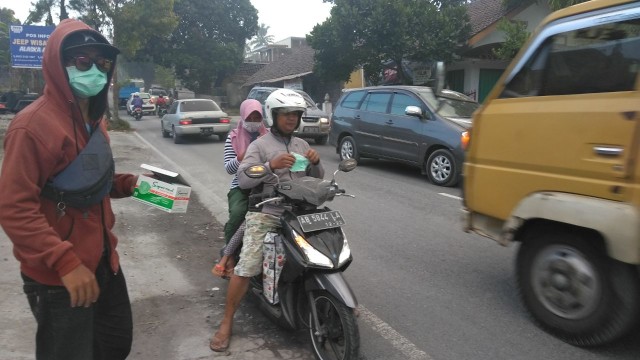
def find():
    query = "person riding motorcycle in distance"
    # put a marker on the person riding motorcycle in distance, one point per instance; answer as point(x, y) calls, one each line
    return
point(136, 102)
point(161, 103)
point(283, 155)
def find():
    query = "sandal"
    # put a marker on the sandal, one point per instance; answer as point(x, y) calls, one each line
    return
point(219, 346)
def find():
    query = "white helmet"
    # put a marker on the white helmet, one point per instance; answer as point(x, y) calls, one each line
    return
point(283, 99)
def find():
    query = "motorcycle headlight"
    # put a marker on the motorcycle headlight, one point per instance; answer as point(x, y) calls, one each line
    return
point(313, 256)
point(345, 254)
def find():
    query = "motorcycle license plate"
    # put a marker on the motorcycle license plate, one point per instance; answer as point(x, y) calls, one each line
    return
point(321, 221)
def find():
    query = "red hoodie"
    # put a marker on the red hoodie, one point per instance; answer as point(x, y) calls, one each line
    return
point(40, 142)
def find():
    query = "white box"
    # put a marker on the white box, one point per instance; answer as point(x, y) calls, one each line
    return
point(167, 190)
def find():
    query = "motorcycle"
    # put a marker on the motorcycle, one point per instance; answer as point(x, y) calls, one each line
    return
point(162, 110)
point(302, 286)
point(137, 113)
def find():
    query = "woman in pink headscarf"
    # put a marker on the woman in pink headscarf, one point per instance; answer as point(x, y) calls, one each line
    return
point(249, 128)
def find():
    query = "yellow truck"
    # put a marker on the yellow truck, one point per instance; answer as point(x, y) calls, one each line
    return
point(553, 165)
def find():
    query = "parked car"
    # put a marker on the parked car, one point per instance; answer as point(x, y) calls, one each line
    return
point(14, 101)
point(315, 122)
point(407, 124)
point(195, 117)
point(148, 107)
point(554, 166)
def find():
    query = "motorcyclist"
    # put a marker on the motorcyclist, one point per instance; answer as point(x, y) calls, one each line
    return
point(283, 155)
point(136, 102)
point(161, 103)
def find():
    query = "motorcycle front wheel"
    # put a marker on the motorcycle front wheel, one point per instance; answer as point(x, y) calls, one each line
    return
point(336, 337)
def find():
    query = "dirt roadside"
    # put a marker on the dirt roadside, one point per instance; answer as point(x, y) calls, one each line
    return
point(166, 259)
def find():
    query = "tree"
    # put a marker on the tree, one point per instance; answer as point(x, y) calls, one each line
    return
point(515, 35)
point(7, 17)
point(377, 34)
point(262, 38)
point(43, 8)
point(208, 42)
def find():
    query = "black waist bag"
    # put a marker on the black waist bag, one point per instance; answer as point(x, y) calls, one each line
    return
point(89, 177)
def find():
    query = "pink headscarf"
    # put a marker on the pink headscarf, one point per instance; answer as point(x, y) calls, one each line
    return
point(240, 137)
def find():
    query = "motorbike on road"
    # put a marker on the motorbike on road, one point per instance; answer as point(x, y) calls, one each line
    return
point(162, 110)
point(137, 114)
point(302, 286)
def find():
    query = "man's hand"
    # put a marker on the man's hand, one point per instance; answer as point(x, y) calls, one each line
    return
point(313, 156)
point(82, 286)
point(282, 161)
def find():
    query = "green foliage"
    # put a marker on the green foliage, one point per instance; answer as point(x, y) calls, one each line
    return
point(45, 9)
point(164, 76)
point(7, 17)
point(515, 35)
point(208, 42)
point(553, 4)
point(369, 33)
point(561, 4)
point(262, 38)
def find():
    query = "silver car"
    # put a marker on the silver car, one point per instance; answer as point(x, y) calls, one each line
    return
point(195, 117)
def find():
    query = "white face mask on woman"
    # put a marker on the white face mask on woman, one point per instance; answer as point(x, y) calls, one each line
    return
point(252, 127)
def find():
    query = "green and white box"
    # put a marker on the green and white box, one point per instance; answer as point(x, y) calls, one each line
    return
point(167, 190)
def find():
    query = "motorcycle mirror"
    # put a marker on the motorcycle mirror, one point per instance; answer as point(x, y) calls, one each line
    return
point(347, 165)
point(256, 171)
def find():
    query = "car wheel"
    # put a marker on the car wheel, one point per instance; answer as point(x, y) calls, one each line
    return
point(574, 291)
point(177, 139)
point(348, 149)
point(165, 133)
point(322, 140)
point(442, 169)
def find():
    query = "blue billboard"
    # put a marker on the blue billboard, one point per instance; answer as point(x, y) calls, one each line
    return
point(27, 45)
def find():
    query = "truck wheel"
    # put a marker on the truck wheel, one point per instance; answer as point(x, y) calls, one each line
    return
point(574, 291)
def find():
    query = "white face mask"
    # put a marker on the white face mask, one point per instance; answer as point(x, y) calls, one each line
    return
point(252, 126)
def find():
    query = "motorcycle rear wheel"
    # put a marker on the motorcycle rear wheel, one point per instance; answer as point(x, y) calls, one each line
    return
point(337, 337)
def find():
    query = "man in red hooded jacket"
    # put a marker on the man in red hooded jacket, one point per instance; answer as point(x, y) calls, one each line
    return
point(68, 258)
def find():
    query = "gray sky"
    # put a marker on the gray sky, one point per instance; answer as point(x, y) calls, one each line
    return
point(284, 17)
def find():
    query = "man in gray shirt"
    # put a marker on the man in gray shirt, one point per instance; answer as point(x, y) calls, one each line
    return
point(286, 157)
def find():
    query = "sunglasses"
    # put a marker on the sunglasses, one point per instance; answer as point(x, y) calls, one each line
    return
point(84, 63)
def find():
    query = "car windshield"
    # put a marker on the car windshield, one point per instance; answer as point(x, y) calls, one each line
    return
point(451, 104)
point(190, 106)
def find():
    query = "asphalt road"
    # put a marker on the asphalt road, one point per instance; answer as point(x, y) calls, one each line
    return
point(426, 289)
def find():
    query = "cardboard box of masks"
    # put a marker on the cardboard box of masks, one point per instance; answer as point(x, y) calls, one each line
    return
point(166, 190)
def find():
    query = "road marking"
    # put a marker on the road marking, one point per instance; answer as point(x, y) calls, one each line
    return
point(399, 342)
point(450, 196)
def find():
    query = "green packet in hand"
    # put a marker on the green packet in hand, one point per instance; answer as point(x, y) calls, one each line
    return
point(300, 164)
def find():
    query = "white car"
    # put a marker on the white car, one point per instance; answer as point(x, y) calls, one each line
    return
point(148, 107)
point(195, 117)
